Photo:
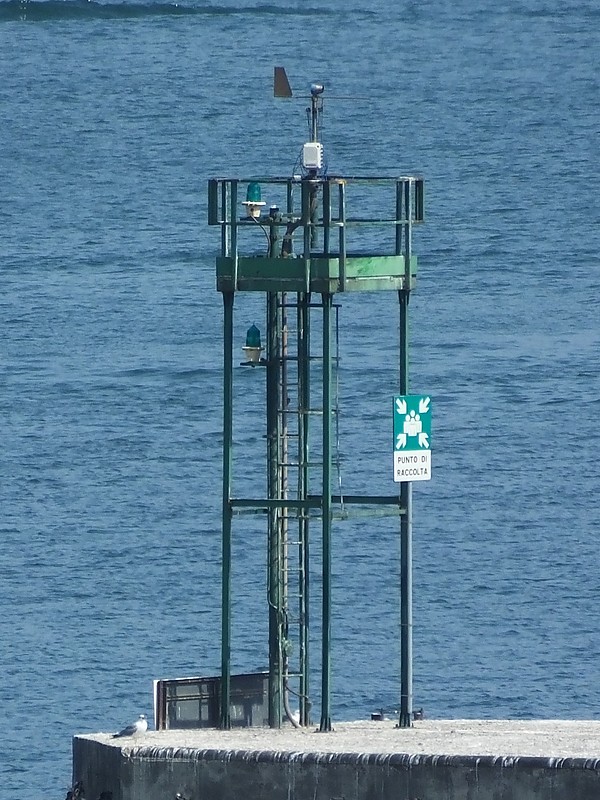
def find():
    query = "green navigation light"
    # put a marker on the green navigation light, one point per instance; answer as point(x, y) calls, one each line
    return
point(253, 337)
point(253, 193)
point(253, 201)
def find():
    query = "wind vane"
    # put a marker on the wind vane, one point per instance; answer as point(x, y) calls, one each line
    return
point(312, 152)
point(281, 85)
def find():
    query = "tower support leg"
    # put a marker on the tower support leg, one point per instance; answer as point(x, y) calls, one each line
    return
point(224, 716)
point(406, 677)
point(274, 567)
point(303, 350)
point(325, 724)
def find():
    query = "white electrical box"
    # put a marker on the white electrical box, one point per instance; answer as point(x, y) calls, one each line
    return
point(312, 155)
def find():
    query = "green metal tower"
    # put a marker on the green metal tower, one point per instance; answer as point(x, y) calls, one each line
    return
point(310, 248)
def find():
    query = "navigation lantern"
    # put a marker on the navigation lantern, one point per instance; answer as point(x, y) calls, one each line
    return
point(253, 347)
point(253, 201)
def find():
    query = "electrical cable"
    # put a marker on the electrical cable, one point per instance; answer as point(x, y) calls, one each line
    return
point(264, 230)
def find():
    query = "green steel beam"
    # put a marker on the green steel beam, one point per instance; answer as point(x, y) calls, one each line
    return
point(365, 500)
point(316, 501)
point(349, 222)
point(361, 179)
point(338, 512)
point(268, 503)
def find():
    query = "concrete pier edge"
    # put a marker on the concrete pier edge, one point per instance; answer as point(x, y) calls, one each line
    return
point(402, 760)
point(362, 762)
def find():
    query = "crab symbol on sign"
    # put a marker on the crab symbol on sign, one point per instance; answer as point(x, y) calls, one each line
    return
point(412, 424)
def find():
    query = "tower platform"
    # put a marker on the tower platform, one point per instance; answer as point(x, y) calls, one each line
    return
point(362, 273)
point(433, 760)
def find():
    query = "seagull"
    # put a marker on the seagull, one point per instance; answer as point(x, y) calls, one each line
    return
point(139, 726)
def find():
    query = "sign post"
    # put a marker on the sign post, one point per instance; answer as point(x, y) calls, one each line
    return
point(412, 462)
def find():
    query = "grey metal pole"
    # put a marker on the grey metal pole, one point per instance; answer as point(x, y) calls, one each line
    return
point(406, 678)
point(314, 118)
point(326, 645)
point(225, 720)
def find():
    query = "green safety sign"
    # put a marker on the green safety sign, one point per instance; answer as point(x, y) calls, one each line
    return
point(412, 437)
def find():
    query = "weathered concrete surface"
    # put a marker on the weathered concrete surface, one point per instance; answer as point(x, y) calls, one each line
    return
point(434, 760)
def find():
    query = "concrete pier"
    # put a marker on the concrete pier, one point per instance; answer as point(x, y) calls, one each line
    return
point(434, 760)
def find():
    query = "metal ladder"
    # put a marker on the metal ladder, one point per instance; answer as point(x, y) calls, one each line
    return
point(291, 415)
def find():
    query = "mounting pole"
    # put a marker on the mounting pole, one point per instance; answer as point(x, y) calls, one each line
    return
point(406, 621)
point(314, 113)
point(405, 719)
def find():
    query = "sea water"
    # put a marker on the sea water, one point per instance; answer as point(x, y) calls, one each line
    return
point(114, 115)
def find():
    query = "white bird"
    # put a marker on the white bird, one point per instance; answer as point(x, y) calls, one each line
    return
point(137, 727)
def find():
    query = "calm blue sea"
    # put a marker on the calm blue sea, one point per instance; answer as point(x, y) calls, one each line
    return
point(113, 116)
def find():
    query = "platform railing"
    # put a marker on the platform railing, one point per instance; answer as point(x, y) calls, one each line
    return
point(325, 205)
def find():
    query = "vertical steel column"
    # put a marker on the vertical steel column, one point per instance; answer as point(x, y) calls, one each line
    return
point(233, 237)
point(225, 216)
point(225, 720)
point(283, 494)
point(306, 219)
point(399, 193)
point(303, 401)
point(342, 229)
point(273, 534)
point(326, 509)
point(408, 188)
point(405, 719)
point(406, 677)
point(326, 213)
point(303, 349)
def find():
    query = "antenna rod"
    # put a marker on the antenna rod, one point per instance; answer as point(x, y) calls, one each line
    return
point(314, 118)
point(316, 107)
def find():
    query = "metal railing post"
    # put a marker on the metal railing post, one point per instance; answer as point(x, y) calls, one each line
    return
point(342, 253)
